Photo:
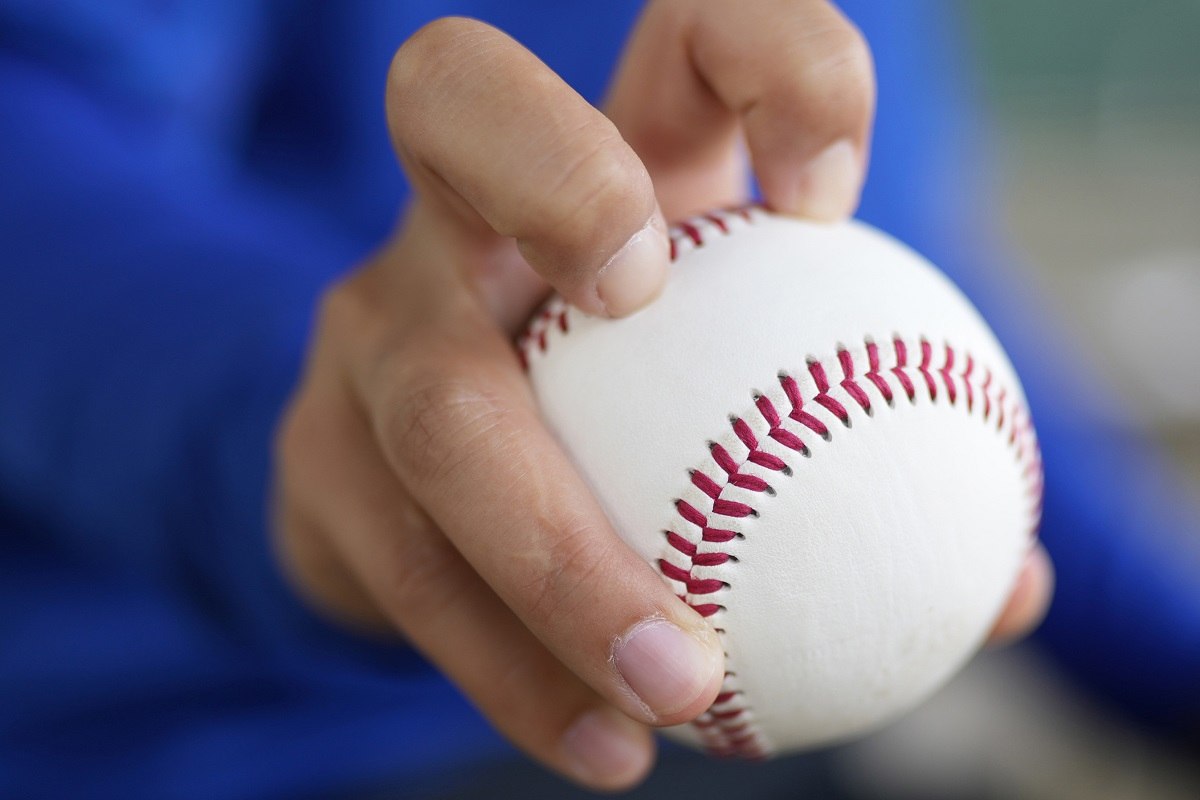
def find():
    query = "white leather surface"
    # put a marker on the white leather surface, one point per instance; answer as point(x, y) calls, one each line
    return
point(877, 567)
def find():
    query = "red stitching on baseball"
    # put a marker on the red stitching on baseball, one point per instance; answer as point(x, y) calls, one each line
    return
point(724, 728)
point(901, 365)
point(951, 391)
point(705, 484)
point(719, 221)
point(987, 396)
point(687, 235)
point(792, 390)
point(926, 359)
point(967, 383)
point(873, 374)
point(692, 232)
point(823, 398)
point(853, 389)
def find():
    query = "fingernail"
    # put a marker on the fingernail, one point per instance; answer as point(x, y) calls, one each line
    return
point(830, 183)
point(635, 275)
point(666, 668)
point(604, 748)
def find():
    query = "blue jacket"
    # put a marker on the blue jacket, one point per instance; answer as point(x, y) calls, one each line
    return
point(177, 183)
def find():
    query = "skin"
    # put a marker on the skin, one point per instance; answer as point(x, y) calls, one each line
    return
point(418, 493)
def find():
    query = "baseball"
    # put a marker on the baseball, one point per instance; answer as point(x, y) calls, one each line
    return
point(820, 445)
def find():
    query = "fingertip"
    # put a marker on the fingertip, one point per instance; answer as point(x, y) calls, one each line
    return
point(606, 750)
point(637, 272)
point(1029, 601)
point(712, 643)
point(673, 673)
point(826, 188)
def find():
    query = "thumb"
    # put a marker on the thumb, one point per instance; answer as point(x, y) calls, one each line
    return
point(505, 149)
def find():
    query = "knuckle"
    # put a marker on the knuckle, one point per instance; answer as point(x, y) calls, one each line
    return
point(439, 421)
point(343, 308)
point(299, 541)
point(839, 67)
point(291, 439)
point(356, 317)
point(301, 443)
point(597, 195)
point(422, 581)
point(588, 183)
point(606, 173)
point(851, 61)
point(316, 571)
point(337, 305)
point(340, 314)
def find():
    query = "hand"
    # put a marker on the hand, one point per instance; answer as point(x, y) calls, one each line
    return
point(418, 492)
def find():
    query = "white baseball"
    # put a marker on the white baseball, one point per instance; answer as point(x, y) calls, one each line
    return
point(822, 447)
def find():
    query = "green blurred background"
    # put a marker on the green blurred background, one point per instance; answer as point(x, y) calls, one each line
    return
point(1095, 112)
point(1096, 105)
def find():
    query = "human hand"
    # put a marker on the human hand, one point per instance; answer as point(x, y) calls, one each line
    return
point(418, 492)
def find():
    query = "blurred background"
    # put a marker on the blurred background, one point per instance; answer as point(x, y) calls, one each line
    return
point(1096, 106)
point(1094, 134)
point(1095, 109)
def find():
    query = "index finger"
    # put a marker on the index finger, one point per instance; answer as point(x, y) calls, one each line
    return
point(501, 147)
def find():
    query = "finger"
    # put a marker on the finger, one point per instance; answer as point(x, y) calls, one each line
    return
point(1029, 601)
point(794, 76)
point(320, 575)
point(424, 588)
point(504, 148)
point(456, 421)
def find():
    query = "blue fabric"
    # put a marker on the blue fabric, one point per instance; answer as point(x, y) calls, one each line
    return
point(177, 181)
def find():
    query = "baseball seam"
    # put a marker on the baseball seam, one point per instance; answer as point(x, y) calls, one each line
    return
point(684, 236)
point(728, 727)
